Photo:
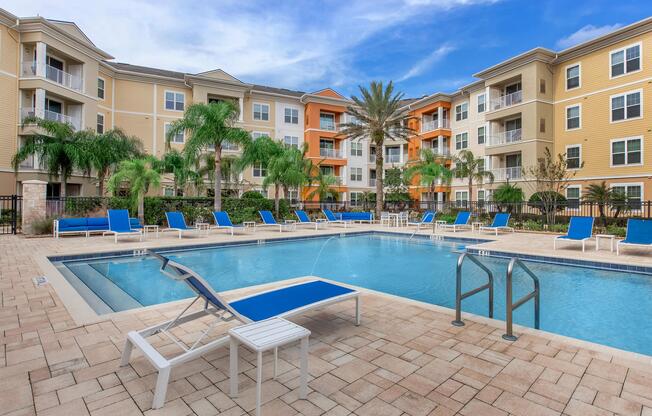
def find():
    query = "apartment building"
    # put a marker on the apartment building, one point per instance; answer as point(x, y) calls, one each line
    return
point(586, 101)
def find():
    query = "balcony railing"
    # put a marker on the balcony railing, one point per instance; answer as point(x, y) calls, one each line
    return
point(73, 82)
point(328, 125)
point(431, 125)
point(507, 100)
point(28, 163)
point(392, 159)
point(504, 174)
point(230, 146)
point(331, 153)
point(444, 151)
point(49, 115)
point(505, 137)
point(372, 182)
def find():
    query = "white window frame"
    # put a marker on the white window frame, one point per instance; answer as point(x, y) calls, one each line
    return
point(624, 50)
point(579, 196)
point(165, 100)
point(292, 140)
point(625, 94)
point(262, 171)
point(484, 103)
point(579, 66)
point(484, 135)
point(292, 109)
point(578, 105)
point(253, 112)
point(355, 174)
point(580, 162)
point(103, 97)
point(334, 119)
point(625, 139)
point(628, 184)
point(467, 140)
point(466, 103)
point(356, 148)
point(358, 198)
point(166, 126)
point(458, 200)
point(100, 124)
point(258, 134)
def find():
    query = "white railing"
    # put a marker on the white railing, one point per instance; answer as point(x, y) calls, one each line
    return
point(505, 137)
point(230, 146)
point(372, 182)
point(74, 82)
point(507, 100)
point(49, 115)
point(392, 159)
point(504, 174)
point(431, 125)
point(28, 163)
point(439, 152)
point(327, 125)
point(331, 153)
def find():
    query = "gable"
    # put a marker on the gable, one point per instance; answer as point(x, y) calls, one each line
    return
point(218, 74)
point(73, 30)
point(329, 92)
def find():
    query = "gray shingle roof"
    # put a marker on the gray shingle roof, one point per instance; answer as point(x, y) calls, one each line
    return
point(146, 70)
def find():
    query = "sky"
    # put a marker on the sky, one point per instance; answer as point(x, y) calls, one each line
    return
point(424, 46)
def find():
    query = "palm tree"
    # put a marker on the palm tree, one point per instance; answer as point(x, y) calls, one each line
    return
point(209, 126)
point(141, 175)
point(108, 149)
point(175, 163)
point(230, 170)
point(467, 166)
point(323, 186)
point(508, 195)
point(379, 116)
point(430, 170)
point(60, 148)
point(602, 195)
point(287, 169)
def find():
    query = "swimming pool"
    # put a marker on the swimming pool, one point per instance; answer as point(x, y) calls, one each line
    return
point(603, 306)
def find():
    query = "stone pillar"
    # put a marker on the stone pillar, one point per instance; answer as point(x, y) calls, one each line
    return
point(440, 117)
point(39, 102)
point(34, 204)
point(241, 105)
point(41, 61)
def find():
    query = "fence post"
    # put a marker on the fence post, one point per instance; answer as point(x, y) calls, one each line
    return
point(34, 204)
point(14, 213)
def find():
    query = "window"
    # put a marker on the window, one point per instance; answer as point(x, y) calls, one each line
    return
point(177, 138)
point(626, 152)
point(100, 123)
point(291, 141)
point(626, 106)
point(291, 115)
point(174, 101)
point(292, 196)
point(356, 174)
point(626, 60)
point(100, 88)
point(226, 145)
point(461, 198)
point(258, 134)
point(482, 103)
point(573, 197)
point(356, 198)
point(461, 141)
point(573, 157)
point(261, 112)
point(573, 117)
point(461, 112)
point(633, 194)
point(327, 121)
point(481, 134)
point(260, 171)
point(356, 149)
point(393, 154)
point(572, 77)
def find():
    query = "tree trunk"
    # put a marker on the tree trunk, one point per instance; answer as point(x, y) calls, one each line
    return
point(101, 176)
point(470, 190)
point(64, 182)
point(277, 197)
point(379, 178)
point(141, 207)
point(217, 201)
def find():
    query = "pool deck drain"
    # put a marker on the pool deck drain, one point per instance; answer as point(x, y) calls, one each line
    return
point(405, 358)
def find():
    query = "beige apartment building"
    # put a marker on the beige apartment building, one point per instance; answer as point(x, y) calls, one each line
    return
point(586, 101)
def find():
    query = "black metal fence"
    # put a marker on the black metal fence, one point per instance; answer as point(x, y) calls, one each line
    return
point(10, 213)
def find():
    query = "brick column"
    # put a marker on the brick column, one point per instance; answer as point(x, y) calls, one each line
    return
point(34, 195)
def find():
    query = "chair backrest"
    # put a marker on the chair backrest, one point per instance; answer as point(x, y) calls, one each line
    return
point(222, 219)
point(119, 220)
point(384, 214)
point(302, 216)
point(428, 217)
point(267, 217)
point(462, 218)
point(176, 220)
point(329, 215)
point(639, 231)
point(580, 227)
point(500, 220)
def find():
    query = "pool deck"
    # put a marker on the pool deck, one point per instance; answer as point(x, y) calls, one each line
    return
point(405, 359)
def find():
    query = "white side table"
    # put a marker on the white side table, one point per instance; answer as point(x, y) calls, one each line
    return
point(439, 223)
point(610, 237)
point(203, 227)
point(250, 224)
point(263, 336)
point(149, 228)
point(475, 226)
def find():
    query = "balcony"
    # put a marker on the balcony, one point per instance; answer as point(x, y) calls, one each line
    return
point(507, 100)
point(391, 159)
point(28, 163)
point(233, 147)
point(431, 125)
point(444, 151)
point(331, 153)
point(73, 82)
point(504, 137)
point(505, 174)
point(49, 115)
point(372, 182)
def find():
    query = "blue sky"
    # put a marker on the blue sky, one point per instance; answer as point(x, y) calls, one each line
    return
point(423, 45)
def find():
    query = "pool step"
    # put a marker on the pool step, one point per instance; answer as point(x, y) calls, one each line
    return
point(108, 292)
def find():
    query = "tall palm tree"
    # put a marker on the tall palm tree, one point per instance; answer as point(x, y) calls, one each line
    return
point(59, 147)
point(141, 175)
point(108, 149)
point(209, 126)
point(430, 169)
point(230, 170)
point(380, 117)
point(323, 186)
point(175, 163)
point(468, 167)
point(287, 169)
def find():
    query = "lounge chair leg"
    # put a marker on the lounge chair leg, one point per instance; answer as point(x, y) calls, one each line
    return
point(303, 384)
point(126, 353)
point(357, 311)
point(275, 362)
point(259, 381)
point(161, 388)
point(233, 366)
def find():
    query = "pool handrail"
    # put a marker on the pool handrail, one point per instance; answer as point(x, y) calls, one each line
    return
point(510, 305)
point(459, 296)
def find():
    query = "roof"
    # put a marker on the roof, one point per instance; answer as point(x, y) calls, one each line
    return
point(281, 91)
point(120, 66)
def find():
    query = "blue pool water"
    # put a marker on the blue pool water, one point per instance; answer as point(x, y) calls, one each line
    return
point(607, 307)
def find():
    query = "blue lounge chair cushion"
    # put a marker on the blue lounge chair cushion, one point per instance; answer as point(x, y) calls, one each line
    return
point(222, 219)
point(119, 221)
point(267, 217)
point(302, 216)
point(97, 223)
point(638, 232)
point(579, 228)
point(355, 216)
point(135, 224)
point(500, 220)
point(427, 217)
point(176, 220)
point(462, 218)
point(277, 302)
point(329, 215)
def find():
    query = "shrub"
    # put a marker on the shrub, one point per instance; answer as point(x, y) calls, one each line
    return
point(252, 195)
point(43, 226)
point(616, 230)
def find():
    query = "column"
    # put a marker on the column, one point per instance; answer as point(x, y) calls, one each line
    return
point(440, 117)
point(440, 144)
point(400, 154)
point(39, 103)
point(41, 53)
point(34, 200)
point(241, 104)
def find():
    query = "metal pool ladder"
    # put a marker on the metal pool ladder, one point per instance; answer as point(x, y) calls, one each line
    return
point(458, 288)
point(510, 305)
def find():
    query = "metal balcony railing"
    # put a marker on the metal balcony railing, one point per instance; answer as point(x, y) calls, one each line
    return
point(74, 82)
point(507, 100)
point(431, 125)
point(49, 115)
point(505, 137)
point(504, 174)
point(331, 153)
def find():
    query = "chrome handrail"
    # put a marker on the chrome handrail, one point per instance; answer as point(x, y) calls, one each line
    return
point(458, 288)
point(510, 306)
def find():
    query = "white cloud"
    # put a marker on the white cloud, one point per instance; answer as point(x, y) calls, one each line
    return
point(449, 4)
point(426, 63)
point(588, 32)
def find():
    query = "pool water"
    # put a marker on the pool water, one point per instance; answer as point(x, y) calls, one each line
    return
point(608, 307)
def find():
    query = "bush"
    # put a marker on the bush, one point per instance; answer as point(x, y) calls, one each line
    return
point(616, 230)
point(252, 195)
point(43, 226)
